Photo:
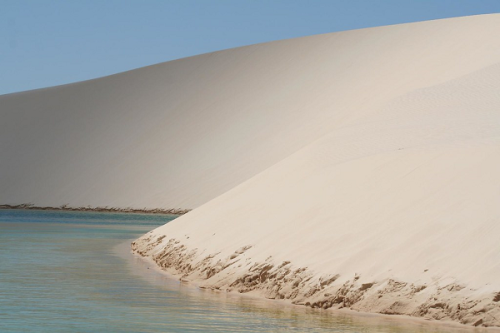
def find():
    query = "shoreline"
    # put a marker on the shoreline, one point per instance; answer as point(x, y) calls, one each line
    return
point(239, 273)
point(360, 315)
point(106, 209)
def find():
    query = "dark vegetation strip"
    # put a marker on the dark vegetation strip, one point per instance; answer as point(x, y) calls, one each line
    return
point(171, 211)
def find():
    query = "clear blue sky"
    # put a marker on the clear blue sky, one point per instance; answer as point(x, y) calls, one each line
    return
point(46, 43)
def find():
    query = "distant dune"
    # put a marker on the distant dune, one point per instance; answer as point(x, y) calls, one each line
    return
point(348, 170)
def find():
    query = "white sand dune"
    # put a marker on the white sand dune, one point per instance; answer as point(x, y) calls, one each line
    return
point(181, 133)
point(348, 170)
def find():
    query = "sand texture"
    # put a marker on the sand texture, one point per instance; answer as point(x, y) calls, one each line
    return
point(356, 170)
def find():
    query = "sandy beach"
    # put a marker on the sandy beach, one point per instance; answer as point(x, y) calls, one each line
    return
point(354, 170)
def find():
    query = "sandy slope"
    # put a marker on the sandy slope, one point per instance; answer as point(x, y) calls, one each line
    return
point(392, 207)
point(179, 134)
point(348, 170)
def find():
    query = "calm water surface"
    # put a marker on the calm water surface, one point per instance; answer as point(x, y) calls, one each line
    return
point(71, 272)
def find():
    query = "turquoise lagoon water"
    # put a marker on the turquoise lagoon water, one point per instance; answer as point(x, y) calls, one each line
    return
point(72, 272)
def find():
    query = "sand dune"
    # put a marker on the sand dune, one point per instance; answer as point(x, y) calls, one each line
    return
point(179, 134)
point(348, 170)
point(394, 211)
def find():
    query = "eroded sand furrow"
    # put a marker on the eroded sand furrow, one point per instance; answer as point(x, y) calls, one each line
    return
point(301, 286)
